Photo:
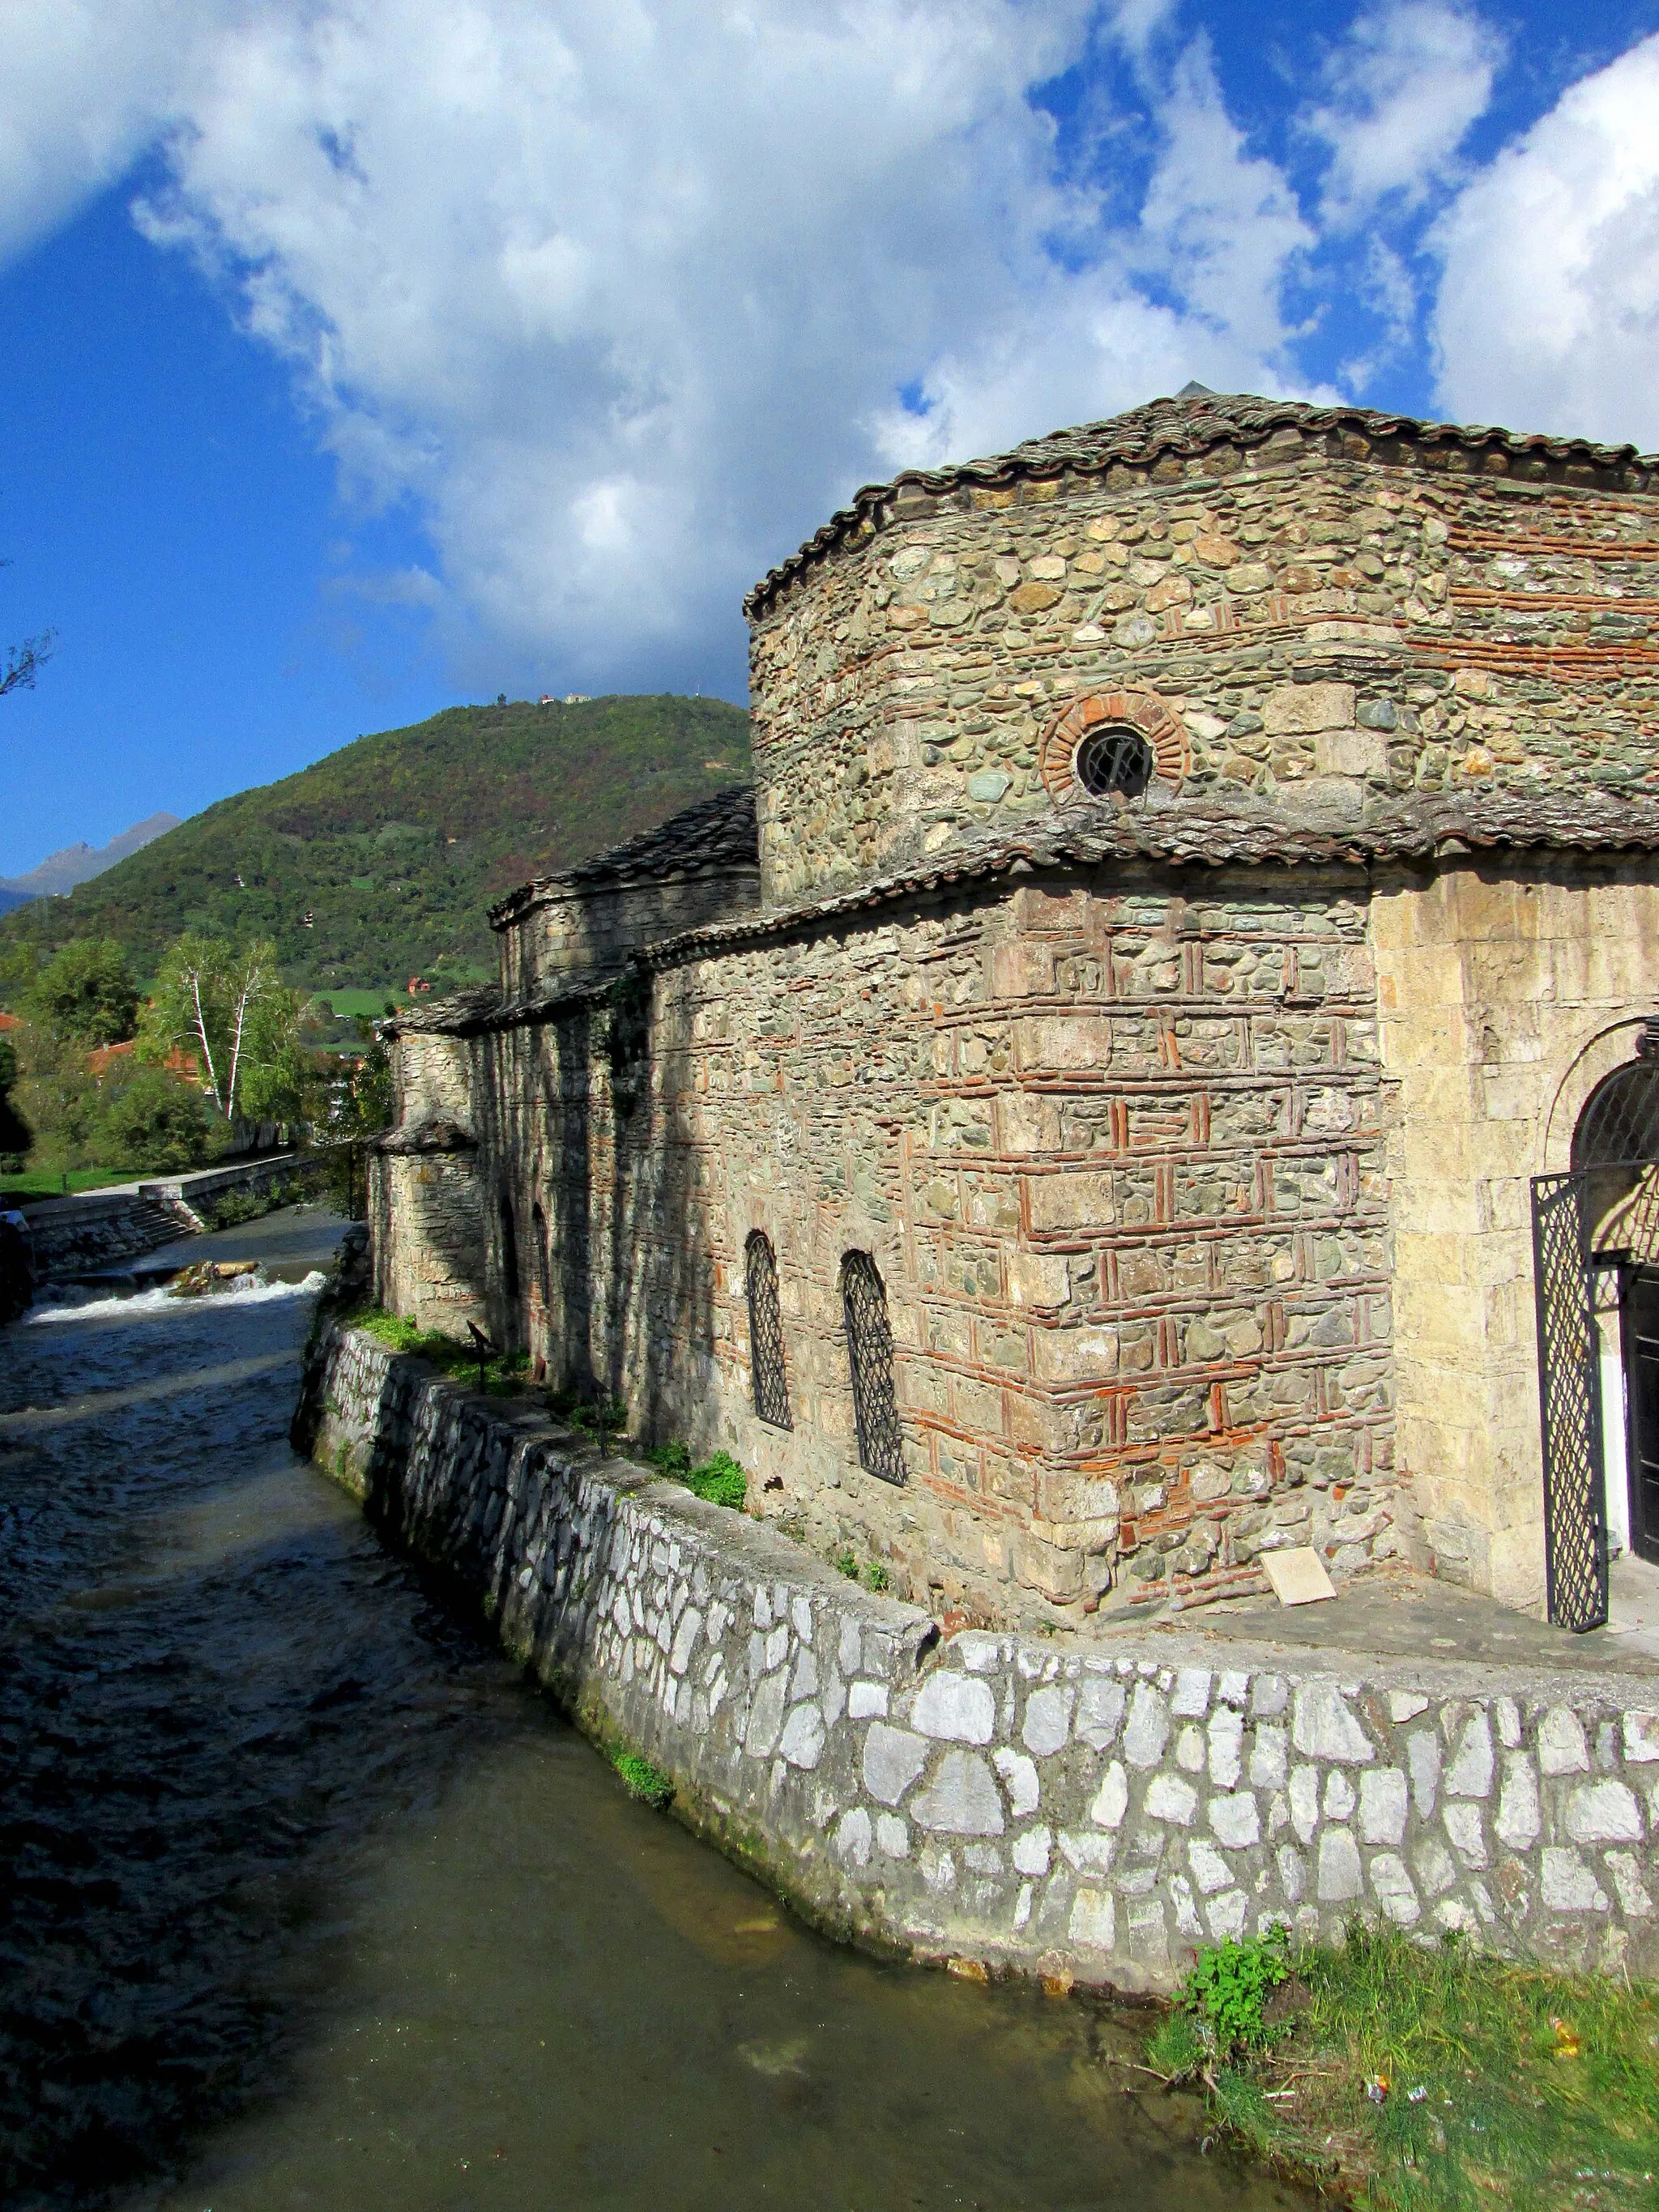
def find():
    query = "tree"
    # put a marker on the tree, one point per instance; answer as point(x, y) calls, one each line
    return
point(229, 1006)
point(16, 1135)
point(55, 1096)
point(24, 661)
point(85, 994)
point(153, 1123)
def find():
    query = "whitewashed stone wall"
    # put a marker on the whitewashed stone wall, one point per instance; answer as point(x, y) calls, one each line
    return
point(1099, 1809)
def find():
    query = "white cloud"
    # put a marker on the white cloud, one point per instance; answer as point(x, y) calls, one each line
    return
point(1401, 93)
point(1220, 225)
point(622, 297)
point(1217, 233)
point(1547, 317)
point(86, 84)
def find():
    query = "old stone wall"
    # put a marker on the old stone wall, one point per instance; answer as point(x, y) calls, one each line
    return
point(1115, 1146)
point(577, 936)
point(1311, 624)
point(1506, 991)
point(1041, 1807)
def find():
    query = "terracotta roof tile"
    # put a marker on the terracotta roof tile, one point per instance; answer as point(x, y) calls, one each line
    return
point(718, 832)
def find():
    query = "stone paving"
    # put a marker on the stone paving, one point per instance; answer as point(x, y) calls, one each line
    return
point(1396, 1612)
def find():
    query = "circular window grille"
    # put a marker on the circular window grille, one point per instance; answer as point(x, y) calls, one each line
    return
point(1115, 760)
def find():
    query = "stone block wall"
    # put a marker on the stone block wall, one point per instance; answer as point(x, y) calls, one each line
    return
point(554, 938)
point(1050, 1808)
point(1115, 1149)
point(1324, 621)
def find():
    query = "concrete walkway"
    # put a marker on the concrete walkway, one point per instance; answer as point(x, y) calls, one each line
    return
point(1394, 1612)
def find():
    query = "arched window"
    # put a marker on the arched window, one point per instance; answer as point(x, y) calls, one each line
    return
point(544, 1268)
point(1621, 1121)
point(766, 1333)
point(510, 1291)
point(870, 1350)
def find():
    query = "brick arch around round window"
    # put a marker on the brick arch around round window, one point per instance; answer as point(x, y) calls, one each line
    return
point(1163, 731)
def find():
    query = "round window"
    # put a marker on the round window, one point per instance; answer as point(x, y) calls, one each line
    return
point(1114, 758)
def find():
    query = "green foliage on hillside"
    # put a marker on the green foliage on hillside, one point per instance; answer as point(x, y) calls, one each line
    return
point(396, 846)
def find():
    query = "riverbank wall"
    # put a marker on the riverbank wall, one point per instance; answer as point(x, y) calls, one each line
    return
point(99, 1229)
point(1096, 1810)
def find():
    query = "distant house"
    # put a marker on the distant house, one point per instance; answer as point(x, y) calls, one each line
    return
point(106, 1058)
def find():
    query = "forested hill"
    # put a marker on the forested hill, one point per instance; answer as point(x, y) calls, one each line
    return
point(394, 846)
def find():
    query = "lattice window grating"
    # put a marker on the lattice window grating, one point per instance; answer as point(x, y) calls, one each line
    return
point(1575, 1533)
point(771, 1382)
point(869, 1351)
point(1621, 1121)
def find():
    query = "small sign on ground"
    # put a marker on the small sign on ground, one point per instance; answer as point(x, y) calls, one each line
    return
point(1298, 1576)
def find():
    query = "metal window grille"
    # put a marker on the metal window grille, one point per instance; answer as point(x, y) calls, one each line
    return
point(1116, 759)
point(1618, 1129)
point(766, 1333)
point(1621, 1121)
point(869, 1351)
point(1570, 1405)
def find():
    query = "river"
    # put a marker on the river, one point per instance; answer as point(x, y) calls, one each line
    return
point(307, 1901)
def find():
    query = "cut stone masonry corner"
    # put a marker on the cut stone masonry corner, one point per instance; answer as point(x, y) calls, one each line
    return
point(1102, 1809)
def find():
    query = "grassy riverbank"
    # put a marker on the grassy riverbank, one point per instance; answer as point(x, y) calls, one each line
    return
point(1425, 2078)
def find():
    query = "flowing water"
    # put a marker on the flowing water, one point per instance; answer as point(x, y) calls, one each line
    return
point(307, 1901)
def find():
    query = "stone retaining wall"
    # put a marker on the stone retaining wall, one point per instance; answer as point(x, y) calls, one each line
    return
point(99, 1229)
point(1097, 1809)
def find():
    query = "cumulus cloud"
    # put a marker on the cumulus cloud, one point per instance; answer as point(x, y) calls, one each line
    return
point(1217, 233)
point(1399, 95)
point(623, 299)
point(87, 83)
point(1548, 310)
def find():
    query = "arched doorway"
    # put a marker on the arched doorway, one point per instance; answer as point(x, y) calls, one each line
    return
point(1595, 1267)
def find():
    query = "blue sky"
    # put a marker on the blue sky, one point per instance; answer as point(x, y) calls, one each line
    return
point(365, 356)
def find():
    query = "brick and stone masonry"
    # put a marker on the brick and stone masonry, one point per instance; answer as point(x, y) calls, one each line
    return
point(1190, 1129)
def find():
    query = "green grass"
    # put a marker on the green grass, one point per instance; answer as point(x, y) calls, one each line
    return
point(355, 1005)
point(1437, 2079)
point(397, 845)
point(642, 1780)
point(48, 1182)
point(870, 1572)
point(719, 1479)
point(503, 1377)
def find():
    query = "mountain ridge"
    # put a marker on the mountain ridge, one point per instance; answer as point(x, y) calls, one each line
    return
point(60, 871)
point(378, 862)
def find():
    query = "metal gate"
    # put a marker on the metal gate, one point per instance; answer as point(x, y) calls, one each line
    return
point(1569, 1403)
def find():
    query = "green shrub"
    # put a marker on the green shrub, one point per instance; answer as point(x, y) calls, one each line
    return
point(846, 1563)
point(152, 1122)
point(237, 1207)
point(642, 1780)
point(876, 1576)
point(720, 1480)
point(1227, 1990)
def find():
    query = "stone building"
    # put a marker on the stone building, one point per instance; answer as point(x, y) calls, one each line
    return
point(1088, 1116)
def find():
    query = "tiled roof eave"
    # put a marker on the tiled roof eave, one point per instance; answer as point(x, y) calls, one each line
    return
point(1201, 838)
point(1401, 831)
point(714, 834)
point(1142, 437)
